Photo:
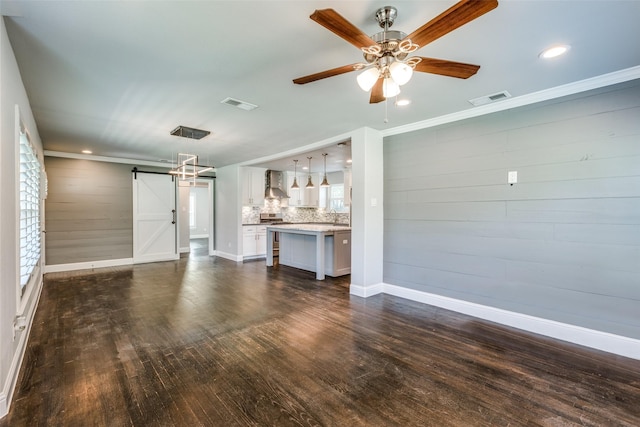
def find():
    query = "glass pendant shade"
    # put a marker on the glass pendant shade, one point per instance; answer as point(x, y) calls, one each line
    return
point(368, 78)
point(400, 72)
point(295, 185)
point(390, 88)
point(324, 182)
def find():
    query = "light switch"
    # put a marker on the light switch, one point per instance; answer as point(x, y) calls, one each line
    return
point(512, 177)
point(345, 242)
point(374, 201)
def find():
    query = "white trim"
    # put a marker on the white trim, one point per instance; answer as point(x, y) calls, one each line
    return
point(199, 236)
point(226, 255)
point(11, 380)
point(78, 156)
point(316, 145)
point(366, 291)
point(185, 249)
point(56, 268)
point(531, 98)
point(611, 343)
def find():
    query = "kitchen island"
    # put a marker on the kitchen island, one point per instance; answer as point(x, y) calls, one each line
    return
point(322, 248)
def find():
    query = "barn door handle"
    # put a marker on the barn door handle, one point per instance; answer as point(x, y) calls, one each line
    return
point(173, 212)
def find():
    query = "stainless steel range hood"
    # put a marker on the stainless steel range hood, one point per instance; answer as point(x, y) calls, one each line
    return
point(274, 184)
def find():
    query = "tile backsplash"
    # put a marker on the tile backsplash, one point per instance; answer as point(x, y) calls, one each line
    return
point(251, 214)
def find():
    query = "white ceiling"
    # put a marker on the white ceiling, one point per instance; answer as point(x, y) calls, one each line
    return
point(116, 77)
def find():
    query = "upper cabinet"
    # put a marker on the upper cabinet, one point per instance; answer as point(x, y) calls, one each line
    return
point(336, 196)
point(253, 186)
point(304, 197)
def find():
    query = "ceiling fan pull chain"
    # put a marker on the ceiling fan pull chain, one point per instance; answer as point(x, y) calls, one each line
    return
point(386, 110)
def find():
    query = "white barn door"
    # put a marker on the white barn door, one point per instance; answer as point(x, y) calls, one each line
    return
point(154, 218)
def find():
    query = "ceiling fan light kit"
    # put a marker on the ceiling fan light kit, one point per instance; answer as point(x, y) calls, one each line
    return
point(388, 65)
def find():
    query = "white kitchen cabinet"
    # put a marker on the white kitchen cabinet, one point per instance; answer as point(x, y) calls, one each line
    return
point(254, 241)
point(253, 186)
point(295, 195)
point(304, 197)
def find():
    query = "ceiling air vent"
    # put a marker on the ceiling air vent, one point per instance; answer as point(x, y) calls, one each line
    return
point(240, 104)
point(488, 99)
point(187, 132)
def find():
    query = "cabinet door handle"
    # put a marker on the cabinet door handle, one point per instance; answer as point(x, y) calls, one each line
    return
point(173, 213)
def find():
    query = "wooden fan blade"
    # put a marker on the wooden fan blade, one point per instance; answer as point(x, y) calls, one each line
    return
point(446, 68)
point(324, 74)
point(334, 22)
point(377, 95)
point(456, 16)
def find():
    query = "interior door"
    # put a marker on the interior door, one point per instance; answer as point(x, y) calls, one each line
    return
point(154, 218)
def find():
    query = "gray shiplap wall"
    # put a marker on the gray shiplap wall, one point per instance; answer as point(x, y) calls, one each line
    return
point(562, 244)
point(88, 211)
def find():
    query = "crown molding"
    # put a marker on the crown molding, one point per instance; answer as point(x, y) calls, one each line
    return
point(604, 80)
point(106, 159)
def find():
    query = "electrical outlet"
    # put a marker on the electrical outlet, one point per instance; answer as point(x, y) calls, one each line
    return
point(512, 177)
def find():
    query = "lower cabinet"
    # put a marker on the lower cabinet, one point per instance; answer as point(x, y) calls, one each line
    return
point(254, 241)
point(299, 251)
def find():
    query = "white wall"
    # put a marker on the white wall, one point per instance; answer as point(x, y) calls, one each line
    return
point(228, 220)
point(12, 92)
point(183, 218)
point(201, 228)
point(367, 212)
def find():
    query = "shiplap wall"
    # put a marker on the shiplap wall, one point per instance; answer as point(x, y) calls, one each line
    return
point(562, 244)
point(88, 211)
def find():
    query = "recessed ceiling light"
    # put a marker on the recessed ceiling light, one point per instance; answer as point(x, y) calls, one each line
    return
point(403, 102)
point(87, 152)
point(554, 51)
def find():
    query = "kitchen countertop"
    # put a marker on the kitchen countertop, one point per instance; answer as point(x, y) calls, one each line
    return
point(318, 227)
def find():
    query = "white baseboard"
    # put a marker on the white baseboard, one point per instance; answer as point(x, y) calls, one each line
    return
point(8, 388)
point(87, 265)
point(611, 343)
point(225, 255)
point(366, 291)
point(185, 250)
point(199, 236)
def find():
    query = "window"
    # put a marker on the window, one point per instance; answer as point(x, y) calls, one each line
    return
point(30, 183)
point(336, 197)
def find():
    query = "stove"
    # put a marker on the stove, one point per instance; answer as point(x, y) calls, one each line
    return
point(271, 218)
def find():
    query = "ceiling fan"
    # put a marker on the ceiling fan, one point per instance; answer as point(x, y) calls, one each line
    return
point(388, 64)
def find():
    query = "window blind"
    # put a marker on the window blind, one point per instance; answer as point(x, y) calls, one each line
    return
point(30, 242)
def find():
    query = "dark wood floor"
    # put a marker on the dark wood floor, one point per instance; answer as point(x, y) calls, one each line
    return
point(209, 342)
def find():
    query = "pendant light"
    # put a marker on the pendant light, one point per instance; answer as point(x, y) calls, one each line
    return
point(309, 183)
point(325, 183)
point(295, 185)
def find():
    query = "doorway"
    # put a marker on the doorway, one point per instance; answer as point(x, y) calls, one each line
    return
point(196, 211)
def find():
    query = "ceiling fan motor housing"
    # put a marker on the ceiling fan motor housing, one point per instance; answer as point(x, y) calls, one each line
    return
point(386, 15)
point(388, 42)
